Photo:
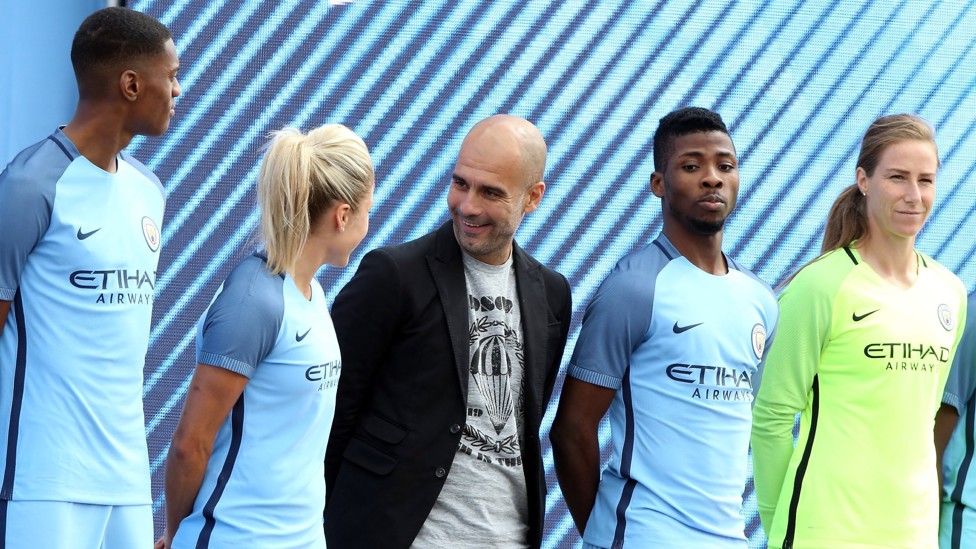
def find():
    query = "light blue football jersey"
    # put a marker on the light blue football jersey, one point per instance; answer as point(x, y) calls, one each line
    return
point(265, 481)
point(957, 521)
point(682, 348)
point(78, 253)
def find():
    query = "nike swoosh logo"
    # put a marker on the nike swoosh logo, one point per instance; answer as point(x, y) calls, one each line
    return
point(679, 329)
point(82, 236)
point(301, 337)
point(857, 318)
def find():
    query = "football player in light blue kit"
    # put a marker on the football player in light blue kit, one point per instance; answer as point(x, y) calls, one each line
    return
point(246, 464)
point(79, 244)
point(670, 344)
point(955, 432)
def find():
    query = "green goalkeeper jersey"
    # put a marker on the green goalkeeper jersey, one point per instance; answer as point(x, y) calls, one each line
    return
point(864, 363)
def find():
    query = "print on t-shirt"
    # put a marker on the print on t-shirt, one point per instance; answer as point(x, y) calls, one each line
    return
point(484, 502)
point(495, 383)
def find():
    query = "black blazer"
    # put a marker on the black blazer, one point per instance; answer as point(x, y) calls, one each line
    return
point(402, 324)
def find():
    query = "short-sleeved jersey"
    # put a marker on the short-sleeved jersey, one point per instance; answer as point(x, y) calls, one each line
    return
point(681, 347)
point(78, 253)
point(265, 482)
point(864, 363)
point(958, 519)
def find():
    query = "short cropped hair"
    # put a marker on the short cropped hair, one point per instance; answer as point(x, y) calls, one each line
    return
point(112, 36)
point(682, 122)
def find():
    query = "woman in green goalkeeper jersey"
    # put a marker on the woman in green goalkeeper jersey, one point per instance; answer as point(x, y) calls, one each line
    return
point(866, 335)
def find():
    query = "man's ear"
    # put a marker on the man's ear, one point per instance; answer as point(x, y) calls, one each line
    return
point(534, 196)
point(129, 85)
point(657, 184)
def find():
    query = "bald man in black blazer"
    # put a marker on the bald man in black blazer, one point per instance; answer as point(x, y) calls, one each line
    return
point(428, 390)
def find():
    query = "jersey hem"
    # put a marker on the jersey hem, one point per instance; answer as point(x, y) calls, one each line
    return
point(108, 501)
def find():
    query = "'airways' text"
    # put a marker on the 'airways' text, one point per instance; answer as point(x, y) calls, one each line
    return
point(120, 298)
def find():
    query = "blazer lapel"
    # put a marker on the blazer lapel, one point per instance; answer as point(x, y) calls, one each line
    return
point(447, 270)
point(535, 323)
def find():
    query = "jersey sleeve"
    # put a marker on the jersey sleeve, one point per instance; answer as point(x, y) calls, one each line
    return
point(616, 322)
point(27, 189)
point(962, 376)
point(241, 326)
point(789, 369)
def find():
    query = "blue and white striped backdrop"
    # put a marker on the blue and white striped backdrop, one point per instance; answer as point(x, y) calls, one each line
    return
point(797, 82)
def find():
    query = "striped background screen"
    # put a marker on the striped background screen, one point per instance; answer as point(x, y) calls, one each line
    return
point(797, 83)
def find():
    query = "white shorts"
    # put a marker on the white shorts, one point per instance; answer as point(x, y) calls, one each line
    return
point(33, 524)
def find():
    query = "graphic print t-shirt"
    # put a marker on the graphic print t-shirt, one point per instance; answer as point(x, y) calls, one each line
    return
point(483, 502)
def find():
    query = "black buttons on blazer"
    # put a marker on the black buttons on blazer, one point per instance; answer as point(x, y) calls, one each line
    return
point(455, 429)
point(440, 472)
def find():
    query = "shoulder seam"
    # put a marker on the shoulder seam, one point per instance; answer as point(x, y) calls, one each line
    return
point(62, 147)
point(663, 251)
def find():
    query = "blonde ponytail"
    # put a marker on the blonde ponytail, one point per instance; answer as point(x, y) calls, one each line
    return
point(301, 177)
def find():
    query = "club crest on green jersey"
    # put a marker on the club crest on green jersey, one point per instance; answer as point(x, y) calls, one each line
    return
point(945, 316)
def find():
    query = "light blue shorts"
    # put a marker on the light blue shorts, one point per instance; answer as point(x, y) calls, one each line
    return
point(957, 528)
point(33, 524)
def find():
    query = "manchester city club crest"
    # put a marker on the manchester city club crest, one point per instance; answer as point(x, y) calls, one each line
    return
point(945, 317)
point(151, 232)
point(758, 339)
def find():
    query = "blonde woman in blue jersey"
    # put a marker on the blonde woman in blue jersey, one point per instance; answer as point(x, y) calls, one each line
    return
point(866, 336)
point(245, 468)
